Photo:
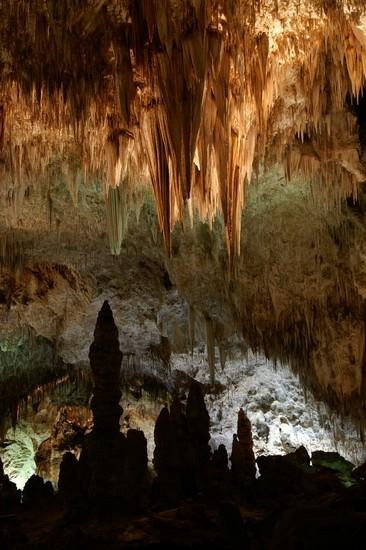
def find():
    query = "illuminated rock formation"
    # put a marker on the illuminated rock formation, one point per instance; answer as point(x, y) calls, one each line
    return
point(220, 148)
point(67, 434)
point(254, 97)
point(238, 95)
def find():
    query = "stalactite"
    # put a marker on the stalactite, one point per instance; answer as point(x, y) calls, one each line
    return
point(72, 177)
point(117, 217)
point(159, 171)
point(194, 94)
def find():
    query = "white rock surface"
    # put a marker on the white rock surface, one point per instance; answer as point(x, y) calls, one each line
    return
point(19, 451)
point(282, 417)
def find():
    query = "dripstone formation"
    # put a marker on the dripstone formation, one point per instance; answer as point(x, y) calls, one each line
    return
point(109, 497)
point(182, 454)
point(111, 474)
point(242, 456)
point(103, 455)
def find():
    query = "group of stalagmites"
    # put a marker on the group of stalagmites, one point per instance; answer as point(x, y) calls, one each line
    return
point(112, 471)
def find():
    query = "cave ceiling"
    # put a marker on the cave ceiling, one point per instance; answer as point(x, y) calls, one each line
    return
point(215, 150)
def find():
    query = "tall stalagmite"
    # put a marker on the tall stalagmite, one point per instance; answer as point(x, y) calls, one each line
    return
point(104, 452)
point(242, 457)
point(105, 361)
point(198, 422)
point(167, 460)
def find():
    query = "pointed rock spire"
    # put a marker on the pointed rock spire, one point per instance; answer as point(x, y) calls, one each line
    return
point(105, 361)
point(198, 423)
point(242, 457)
point(103, 456)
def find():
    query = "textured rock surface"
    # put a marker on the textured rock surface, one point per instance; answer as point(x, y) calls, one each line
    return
point(148, 307)
point(283, 417)
point(20, 447)
point(297, 293)
point(67, 434)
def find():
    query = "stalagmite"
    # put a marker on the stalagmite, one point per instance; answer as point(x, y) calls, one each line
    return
point(136, 472)
point(168, 486)
point(220, 474)
point(242, 456)
point(198, 423)
point(104, 451)
point(164, 460)
point(37, 493)
point(69, 480)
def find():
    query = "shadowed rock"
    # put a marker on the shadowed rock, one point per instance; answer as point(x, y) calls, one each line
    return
point(136, 472)
point(164, 459)
point(167, 487)
point(242, 457)
point(9, 494)
point(220, 458)
point(37, 492)
point(198, 421)
point(198, 450)
point(105, 362)
point(69, 479)
point(220, 475)
point(104, 451)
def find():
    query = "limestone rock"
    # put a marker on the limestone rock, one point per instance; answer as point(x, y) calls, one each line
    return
point(198, 422)
point(69, 479)
point(9, 494)
point(37, 493)
point(103, 455)
point(242, 456)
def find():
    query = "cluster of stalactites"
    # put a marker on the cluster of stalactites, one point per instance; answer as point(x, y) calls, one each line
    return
point(188, 91)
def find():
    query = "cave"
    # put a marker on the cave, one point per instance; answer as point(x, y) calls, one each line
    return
point(182, 284)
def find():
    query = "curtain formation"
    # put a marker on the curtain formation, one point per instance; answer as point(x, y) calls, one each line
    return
point(192, 94)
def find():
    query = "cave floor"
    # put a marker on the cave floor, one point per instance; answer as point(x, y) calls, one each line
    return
point(329, 519)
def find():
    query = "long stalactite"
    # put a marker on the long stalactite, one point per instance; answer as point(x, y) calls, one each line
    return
point(194, 93)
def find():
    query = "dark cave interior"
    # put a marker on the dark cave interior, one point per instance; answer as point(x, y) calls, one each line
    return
point(182, 274)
